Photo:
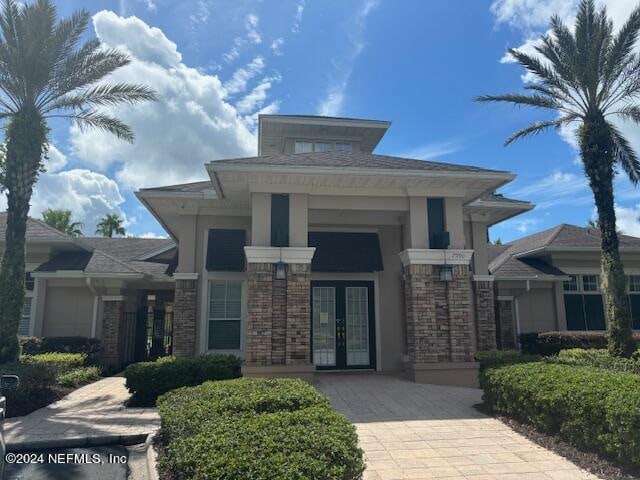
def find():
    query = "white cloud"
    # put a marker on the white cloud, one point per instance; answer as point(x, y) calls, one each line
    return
point(251, 26)
point(256, 98)
point(433, 150)
point(201, 13)
point(628, 220)
point(149, 235)
point(332, 102)
point(531, 15)
point(251, 36)
point(276, 46)
point(191, 124)
point(239, 79)
point(298, 17)
point(55, 160)
point(558, 188)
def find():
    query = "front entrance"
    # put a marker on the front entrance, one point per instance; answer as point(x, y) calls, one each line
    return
point(342, 325)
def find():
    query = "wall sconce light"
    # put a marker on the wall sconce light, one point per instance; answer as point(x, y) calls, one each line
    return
point(281, 270)
point(446, 273)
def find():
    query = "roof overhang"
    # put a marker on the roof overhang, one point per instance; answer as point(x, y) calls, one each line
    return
point(534, 278)
point(82, 274)
point(496, 211)
point(233, 180)
point(537, 252)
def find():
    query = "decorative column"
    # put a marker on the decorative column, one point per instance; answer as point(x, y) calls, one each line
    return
point(505, 323)
point(112, 330)
point(184, 314)
point(439, 317)
point(485, 312)
point(278, 312)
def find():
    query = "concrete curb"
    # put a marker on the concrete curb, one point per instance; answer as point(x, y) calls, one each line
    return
point(78, 442)
point(142, 461)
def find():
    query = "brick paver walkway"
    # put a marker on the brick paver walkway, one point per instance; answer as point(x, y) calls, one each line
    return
point(93, 411)
point(408, 430)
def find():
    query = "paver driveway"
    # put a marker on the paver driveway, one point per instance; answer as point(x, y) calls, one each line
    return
point(410, 430)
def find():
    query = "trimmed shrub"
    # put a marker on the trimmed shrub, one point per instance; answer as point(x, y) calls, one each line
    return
point(147, 380)
point(262, 429)
point(497, 358)
point(35, 390)
point(550, 343)
point(595, 357)
point(55, 363)
point(78, 377)
point(86, 345)
point(591, 408)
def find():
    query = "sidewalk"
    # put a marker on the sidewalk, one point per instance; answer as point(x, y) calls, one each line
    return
point(94, 414)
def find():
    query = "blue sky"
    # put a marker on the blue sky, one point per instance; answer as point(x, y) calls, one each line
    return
point(218, 63)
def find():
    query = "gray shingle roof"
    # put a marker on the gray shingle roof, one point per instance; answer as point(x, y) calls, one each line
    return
point(502, 260)
point(37, 230)
point(193, 187)
point(339, 159)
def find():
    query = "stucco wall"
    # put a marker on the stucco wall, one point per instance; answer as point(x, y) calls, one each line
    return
point(68, 311)
point(537, 309)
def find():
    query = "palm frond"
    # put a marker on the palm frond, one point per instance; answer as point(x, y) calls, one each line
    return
point(629, 112)
point(104, 95)
point(539, 127)
point(625, 154)
point(539, 101)
point(103, 122)
point(622, 47)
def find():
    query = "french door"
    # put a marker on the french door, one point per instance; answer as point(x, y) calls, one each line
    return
point(342, 324)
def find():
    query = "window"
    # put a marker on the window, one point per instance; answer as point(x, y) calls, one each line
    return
point(572, 284)
point(25, 319)
point(29, 282)
point(303, 146)
point(590, 283)
point(225, 315)
point(436, 223)
point(634, 283)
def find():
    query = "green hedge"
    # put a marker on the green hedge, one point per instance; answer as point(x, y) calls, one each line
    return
point(258, 429)
point(591, 408)
point(36, 388)
point(88, 346)
point(497, 358)
point(78, 377)
point(550, 343)
point(595, 357)
point(148, 380)
point(56, 363)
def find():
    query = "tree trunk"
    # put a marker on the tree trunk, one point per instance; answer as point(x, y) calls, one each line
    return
point(26, 138)
point(597, 154)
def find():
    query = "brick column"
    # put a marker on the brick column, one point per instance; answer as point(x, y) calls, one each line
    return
point(485, 315)
point(259, 314)
point(505, 320)
point(279, 322)
point(112, 330)
point(184, 314)
point(298, 314)
point(439, 317)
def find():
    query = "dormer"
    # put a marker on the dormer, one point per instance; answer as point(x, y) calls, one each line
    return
point(278, 134)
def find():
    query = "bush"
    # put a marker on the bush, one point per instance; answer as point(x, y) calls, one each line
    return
point(599, 358)
point(55, 363)
point(78, 377)
point(550, 343)
point(147, 380)
point(35, 390)
point(591, 408)
point(260, 429)
point(497, 358)
point(36, 345)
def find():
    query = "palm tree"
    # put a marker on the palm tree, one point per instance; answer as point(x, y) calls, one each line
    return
point(61, 220)
point(45, 71)
point(588, 77)
point(111, 223)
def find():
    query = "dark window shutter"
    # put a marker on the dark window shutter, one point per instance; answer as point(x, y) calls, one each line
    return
point(435, 215)
point(345, 252)
point(594, 312)
point(574, 310)
point(279, 220)
point(225, 250)
point(634, 301)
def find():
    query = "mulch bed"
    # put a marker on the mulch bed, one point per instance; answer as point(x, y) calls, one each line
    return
point(590, 462)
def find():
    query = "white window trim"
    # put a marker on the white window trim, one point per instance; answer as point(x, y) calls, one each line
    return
point(316, 140)
point(628, 284)
point(30, 294)
point(580, 284)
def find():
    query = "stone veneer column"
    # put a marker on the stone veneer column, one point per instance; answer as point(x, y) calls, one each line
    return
point(112, 320)
point(298, 350)
point(439, 317)
point(184, 314)
point(485, 314)
point(279, 322)
point(259, 314)
point(506, 332)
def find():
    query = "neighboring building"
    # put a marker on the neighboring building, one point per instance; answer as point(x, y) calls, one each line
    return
point(318, 254)
point(551, 281)
point(95, 287)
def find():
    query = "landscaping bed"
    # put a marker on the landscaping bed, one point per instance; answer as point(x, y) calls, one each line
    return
point(45, 378)
point(551, 343)
point(255, 429)
point(593, 409)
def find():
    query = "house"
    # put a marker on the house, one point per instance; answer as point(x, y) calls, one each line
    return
point(74, 284)
point(551, 281)
point(318, 254)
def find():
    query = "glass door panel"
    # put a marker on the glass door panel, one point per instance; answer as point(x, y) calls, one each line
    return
point(357, 325)
point(324, 326)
